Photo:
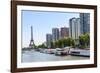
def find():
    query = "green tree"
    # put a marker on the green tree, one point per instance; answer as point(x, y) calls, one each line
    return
point(52, 45)
point(42, 46)
point(69, 42)
point(84, 40)
point(87, 39)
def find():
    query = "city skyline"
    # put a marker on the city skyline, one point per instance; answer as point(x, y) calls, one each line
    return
point(77, 27)
point(57, 34)
point(42, 23)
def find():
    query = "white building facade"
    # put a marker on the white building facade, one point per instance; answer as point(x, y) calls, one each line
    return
point(75, 30)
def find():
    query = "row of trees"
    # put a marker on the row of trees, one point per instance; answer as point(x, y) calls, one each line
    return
point(63, 43)
point(40, 46)
point(82, 42)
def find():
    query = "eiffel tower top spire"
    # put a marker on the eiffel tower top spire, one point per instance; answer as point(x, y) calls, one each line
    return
point(31, 33)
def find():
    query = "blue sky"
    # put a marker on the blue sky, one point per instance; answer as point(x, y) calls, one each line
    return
point(42, 23)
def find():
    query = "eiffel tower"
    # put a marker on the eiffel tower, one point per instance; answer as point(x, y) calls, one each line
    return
point(31, 45)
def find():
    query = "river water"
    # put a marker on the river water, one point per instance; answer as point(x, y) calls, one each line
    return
point(34, 56)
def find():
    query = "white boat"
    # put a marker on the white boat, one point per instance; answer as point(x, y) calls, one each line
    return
point(60, 52)
point(80, 52)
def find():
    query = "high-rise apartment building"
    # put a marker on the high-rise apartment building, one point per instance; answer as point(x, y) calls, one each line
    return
point(64, 32)
point(85, 22)
point(55, 34)
point(75, 30)
point(48, 40)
